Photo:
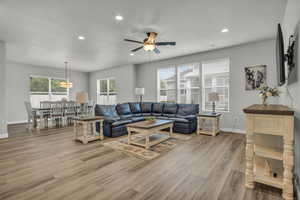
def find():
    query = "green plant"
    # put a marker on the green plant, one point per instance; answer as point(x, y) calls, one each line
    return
point(150, 118)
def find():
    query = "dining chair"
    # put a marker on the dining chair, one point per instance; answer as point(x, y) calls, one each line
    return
point(57, 113)
point(69, 112)
point(91, 108)
point(81, 109)
point(45, 111)
point(31, 119)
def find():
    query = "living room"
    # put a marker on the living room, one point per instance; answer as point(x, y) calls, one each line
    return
point(119, 100)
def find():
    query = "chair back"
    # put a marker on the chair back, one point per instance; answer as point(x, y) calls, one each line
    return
point(91, 107)
point(28, 109)
point(57, 108)
point(45, 104)
point(70, 107)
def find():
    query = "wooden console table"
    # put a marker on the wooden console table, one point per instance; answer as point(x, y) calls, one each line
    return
point(85, 128)
point(271, 160)
point(214, 117)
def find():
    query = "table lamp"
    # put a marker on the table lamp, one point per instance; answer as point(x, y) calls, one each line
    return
point(140, 92)
point(213, 97)
point(82, 99)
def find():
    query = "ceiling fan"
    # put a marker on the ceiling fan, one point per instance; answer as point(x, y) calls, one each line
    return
point(149, 43)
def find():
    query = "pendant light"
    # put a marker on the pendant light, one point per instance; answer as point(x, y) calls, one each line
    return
point(66, 83)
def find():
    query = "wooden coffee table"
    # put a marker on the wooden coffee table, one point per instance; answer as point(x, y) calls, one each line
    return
point(85, 128)
point(152, 130)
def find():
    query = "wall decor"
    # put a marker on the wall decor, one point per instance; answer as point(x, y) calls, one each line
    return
point(255, 77)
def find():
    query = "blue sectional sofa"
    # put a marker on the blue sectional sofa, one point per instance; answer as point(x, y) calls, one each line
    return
point(118, 116)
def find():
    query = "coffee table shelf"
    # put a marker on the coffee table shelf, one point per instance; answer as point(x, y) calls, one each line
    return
point(152, 132)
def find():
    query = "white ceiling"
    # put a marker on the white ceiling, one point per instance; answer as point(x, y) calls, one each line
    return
point(44, 32)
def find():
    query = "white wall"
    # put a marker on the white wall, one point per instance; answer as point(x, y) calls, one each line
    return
point(18, 86)
point(257, 53)
point(291, 26)
point(125, 81)
point(3, 129)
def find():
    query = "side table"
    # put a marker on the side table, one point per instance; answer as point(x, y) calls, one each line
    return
point(85, 128)
point(214, 117)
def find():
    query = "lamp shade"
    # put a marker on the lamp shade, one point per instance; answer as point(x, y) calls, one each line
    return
point(139, 91)
point(213, 96)
point(81, 97)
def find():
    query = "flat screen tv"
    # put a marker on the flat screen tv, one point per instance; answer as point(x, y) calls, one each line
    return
point(280, 57)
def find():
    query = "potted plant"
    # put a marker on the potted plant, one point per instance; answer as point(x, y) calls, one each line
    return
point(150, 119)
point(266, 91)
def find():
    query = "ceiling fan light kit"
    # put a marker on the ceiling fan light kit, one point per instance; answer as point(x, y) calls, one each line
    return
point(149, 43)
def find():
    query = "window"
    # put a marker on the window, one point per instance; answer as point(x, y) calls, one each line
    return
point(106, 91)
point(46, 89)
point(215, 78)
point(189, 84)
point(167, 85)
point(179, 84)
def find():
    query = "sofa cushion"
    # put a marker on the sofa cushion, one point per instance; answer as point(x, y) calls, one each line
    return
point(146, 114)
point(157, 109)
point(146, 107)
point(124, 110)
point(111, 119)
point(162, 117)
point(182, 120)
point(106, 111)
point(137, 119)
point(121, 122)
point(135, 107)
point(170, 109)
point(187, 109)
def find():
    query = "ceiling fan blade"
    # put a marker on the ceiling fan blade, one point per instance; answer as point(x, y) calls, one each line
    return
point(156, 50)
point(165, 43)
point(128, 40)
point(134, 50)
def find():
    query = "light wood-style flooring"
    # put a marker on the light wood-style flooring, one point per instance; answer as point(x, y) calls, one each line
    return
point(51, 165)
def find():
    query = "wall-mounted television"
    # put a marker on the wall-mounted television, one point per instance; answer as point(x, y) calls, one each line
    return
point(280, 57)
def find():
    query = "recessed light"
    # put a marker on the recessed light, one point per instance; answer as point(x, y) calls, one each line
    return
point(132, 54)
point(119, 17)
point(224, 30)
point(80, 37)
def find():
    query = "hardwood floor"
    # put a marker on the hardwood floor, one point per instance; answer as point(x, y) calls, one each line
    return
point(50, 165)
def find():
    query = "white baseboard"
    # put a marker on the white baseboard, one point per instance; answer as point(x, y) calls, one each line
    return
point(234, 130)
point(3, 135)
point(17, 122)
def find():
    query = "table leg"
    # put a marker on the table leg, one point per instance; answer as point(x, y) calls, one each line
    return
point(75, 130)
point(129, 136)
point(101, 130)
point(93, 124)
point(147, 142)
point(85, 133)
point(214, 127)
point(249, 161)
point(288, 164)
point(41, 121)
point(171, 131)
point(198, 125)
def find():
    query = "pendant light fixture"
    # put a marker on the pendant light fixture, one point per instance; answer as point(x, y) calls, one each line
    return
point(66, 83)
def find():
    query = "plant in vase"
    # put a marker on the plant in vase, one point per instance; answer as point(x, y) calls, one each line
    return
point(150, 119)
point(266, 91)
